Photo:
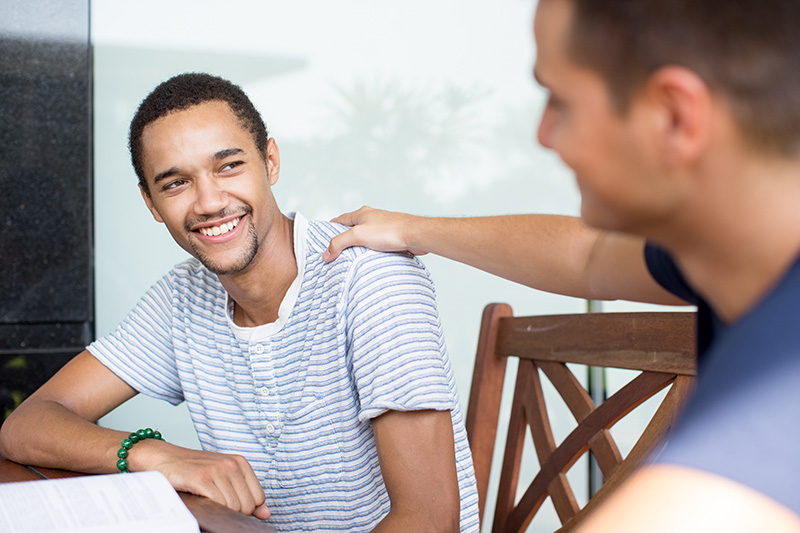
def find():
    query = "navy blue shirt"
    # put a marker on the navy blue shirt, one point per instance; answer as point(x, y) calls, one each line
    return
point(743, 421)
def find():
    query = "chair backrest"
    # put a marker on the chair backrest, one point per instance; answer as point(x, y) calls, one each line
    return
point(661, 345)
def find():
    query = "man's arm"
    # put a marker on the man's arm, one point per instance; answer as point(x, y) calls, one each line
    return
point(418, 464)
point(57, 427)
point(557, 254)
point(665, 499)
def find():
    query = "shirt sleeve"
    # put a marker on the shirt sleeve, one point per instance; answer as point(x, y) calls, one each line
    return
point(666, 273)
point(140, 350)
point(394, 337)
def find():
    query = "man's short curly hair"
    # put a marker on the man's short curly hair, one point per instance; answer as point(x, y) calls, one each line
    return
point(182, 92)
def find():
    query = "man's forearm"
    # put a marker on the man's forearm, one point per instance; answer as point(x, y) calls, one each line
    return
point(546, 252)
point(45, 433)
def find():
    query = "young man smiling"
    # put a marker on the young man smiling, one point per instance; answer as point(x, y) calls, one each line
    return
point(323, 391)
point(681, 120)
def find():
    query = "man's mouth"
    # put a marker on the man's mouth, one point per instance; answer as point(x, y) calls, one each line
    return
point(213, 231)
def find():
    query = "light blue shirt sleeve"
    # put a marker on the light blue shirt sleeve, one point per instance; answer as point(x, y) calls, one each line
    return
point(394, 337)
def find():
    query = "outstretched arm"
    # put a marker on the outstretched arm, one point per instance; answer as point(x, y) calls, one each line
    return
point(418, 464)
point(552, 253)
point(57, 427)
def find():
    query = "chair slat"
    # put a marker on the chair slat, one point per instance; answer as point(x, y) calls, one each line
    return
point(531, 395)
point(483, 412)
point(580, 404)
point(634, 341)
point(509, 472)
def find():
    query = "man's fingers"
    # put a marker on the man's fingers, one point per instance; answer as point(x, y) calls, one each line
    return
point(351, 218)
point(228, 480)
point(383, 231)
point(262, 512)
point(346, 239)
point(237, 495)
point(255, 490)
point(207, 487)
point(233, 497)
point(337, 244)
point(219, 481)
point(246, 494)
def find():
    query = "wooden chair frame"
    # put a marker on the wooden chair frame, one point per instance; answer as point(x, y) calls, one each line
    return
point(661, 345)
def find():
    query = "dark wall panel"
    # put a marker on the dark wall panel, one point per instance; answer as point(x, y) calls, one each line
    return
point(46, 299)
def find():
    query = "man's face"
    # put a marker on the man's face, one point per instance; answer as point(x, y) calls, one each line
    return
point(209, 184)
point(605, 149)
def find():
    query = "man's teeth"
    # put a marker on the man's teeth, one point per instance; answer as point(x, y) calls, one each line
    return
point(219, 230)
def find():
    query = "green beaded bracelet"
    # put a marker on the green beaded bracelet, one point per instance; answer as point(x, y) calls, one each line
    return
point(127, 444)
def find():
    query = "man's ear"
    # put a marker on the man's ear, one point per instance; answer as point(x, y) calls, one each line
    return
point(149, 202)
point(273, 160)
point(683, 106)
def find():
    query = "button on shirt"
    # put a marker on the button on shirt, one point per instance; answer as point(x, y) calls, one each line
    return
point(271, 410)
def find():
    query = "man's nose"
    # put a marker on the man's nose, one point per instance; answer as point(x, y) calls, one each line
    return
point(546, 128)
point(210, 196)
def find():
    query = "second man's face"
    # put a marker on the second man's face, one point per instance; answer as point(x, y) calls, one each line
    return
point(209, 184)
point(608, 151)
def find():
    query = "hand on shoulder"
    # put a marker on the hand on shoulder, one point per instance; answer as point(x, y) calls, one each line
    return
point(384, 231)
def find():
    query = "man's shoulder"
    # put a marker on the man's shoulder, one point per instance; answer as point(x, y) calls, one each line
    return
point(319, 235)
point(321, 232)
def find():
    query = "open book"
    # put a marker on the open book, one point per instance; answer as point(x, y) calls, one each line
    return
point(141, 501)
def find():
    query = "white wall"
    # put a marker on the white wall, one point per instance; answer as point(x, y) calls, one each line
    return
point(423, 106)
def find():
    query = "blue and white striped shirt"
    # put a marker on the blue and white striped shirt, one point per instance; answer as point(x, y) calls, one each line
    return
point(354, 338)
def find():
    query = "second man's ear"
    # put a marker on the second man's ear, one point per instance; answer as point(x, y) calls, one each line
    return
point(684, 104)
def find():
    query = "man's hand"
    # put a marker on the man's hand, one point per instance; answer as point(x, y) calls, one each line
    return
point(226, 479)
point(384, 231)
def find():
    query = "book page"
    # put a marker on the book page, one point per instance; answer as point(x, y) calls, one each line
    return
point(140, 501)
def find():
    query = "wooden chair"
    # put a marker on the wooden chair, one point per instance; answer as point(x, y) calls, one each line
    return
point(661, 345)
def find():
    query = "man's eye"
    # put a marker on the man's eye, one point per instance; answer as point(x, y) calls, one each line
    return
point(553, 102)
point(173, 184)
point(230, 166)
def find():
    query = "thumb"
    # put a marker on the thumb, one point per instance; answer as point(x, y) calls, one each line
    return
point(337, 244)
point(262, 512)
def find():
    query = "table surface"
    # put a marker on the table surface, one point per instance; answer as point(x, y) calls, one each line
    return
point(212, 517)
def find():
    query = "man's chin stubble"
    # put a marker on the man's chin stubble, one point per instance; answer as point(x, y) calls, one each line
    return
point(244, 260)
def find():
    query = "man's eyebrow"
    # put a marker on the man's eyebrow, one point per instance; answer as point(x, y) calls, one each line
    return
point(227, 152)
point(218, 156)
point(164, 175)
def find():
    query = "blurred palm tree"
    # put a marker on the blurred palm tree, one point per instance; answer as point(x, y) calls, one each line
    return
point(383, 142)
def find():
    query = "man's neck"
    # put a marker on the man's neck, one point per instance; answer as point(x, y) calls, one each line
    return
point(257, 293)
point(739, 245)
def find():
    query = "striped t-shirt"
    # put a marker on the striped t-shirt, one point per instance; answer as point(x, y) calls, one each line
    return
point(354, 338)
